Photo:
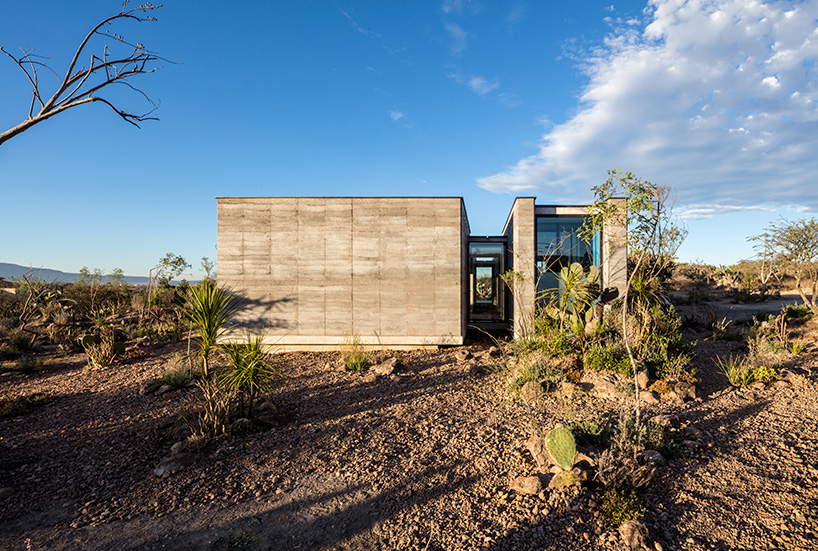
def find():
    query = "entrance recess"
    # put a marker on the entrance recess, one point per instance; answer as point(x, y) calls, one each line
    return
point(486, 290)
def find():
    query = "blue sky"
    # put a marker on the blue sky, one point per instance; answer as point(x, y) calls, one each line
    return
point(485, 100)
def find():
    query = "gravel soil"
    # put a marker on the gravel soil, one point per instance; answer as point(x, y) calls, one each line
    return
point(420, 460)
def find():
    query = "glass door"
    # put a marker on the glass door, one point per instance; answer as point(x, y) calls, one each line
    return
point(486, 290)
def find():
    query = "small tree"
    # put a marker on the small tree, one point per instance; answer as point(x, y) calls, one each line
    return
point(84, 85)
point(652, 236)
point(207, 267)
point(764, 253)
point(169, 268)
point(795, 249)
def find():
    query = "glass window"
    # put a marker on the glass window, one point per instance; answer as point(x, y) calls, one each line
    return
point(559, 245)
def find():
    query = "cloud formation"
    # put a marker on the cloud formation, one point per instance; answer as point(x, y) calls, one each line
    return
point(716, 98)
point(478, 84)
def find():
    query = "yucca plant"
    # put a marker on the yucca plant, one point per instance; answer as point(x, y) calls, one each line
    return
point(209, 309)
point(250, 370)
point(736, 370)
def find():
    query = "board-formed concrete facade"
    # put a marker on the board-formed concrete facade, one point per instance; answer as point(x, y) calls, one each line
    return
point(316, 270)
point(393, 272)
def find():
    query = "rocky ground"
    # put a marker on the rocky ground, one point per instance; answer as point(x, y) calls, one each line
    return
point(421, 459)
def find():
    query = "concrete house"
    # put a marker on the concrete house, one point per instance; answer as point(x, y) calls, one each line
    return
point(397, 272)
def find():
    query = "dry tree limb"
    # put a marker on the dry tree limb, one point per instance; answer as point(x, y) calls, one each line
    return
point(83, 85)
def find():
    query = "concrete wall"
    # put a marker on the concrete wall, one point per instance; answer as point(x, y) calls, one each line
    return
point(521, 230)
point(313, 270)
point(615, 252)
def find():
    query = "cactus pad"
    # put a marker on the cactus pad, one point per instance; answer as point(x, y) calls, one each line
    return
point(561, 446)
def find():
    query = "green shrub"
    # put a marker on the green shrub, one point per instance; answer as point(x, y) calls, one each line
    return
point(7, 352)
point(590, 433)
point(797, 347)
point(176, 376)
point(27, 363)
point(736, 370)
point(537, 368)
point(353, 354)
point(798, 312)
point(620, 505)
point(764, 374)
point(607, 357)
point(18, 405)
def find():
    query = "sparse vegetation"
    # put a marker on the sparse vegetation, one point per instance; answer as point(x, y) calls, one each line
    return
point(619, 505)
point(353, 354)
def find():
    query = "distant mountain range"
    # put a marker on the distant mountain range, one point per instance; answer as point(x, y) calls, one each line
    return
point(11, 271)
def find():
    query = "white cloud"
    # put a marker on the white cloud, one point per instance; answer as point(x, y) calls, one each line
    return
point(459, 38)
point(699, 212)
point(396, 115)
point(718, 98)
point(480, 85)
point(452, 6)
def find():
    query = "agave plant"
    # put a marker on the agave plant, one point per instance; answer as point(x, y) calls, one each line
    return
point(572, 301)
point(250, 370)
point(209, 309)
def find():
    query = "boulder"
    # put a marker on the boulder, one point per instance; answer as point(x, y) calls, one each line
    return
point(385, 368)
point(685, 390)
point(532, 393)
point(652, 457)
point(164, 389)
point(462, 354)
point(536, 446)
point(643, 378)
point(166, 467)
point(635, 534)
point(6, 493)
point(649, 397)
point(527, 485)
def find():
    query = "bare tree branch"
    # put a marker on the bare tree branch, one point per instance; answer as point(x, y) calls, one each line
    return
point(80, 85)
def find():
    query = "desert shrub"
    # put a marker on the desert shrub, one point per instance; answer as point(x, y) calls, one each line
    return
point(764, 374)
point(798, 312)
point(691, 322)
point(661, 387)
point(17, 405)
point(213, 415)
point(698, 295)
point(736, 370)
point(797, 347)
point(607, 357)
point(590, 432)
point(176, 376)
point(537, 368)
point(19, 340)
point(353, 353)
point(618, 505)
point(7, 352)
point(102, 349)
point(764, 350)
point(27, 363)
point(620, 466)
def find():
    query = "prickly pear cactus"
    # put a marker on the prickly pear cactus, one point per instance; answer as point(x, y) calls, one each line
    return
point(88, 340)
point(562, 447)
